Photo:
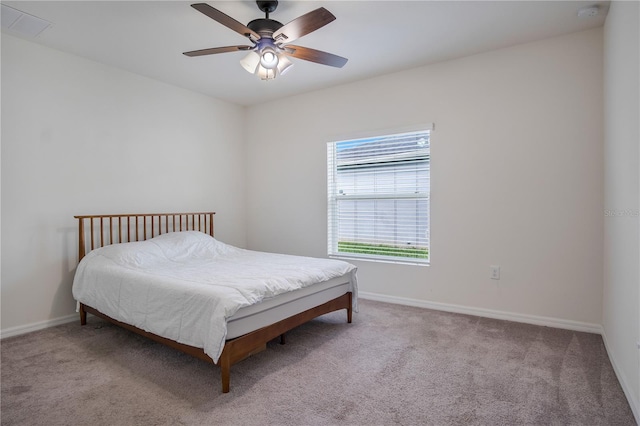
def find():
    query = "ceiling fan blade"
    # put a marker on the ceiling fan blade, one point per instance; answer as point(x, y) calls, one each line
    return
point(213, 50)
point(226, 20)
point(303, 25)
point(314, 55)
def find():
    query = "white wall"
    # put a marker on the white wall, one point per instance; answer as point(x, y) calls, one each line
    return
point(517, 177)
point(82, 138)
point(621, 304)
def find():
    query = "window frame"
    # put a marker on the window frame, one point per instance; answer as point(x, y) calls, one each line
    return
point(333, 197)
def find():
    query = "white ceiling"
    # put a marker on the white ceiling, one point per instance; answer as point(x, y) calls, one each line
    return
point(378, 37)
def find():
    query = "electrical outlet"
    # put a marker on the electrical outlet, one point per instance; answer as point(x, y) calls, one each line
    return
point(495, 272)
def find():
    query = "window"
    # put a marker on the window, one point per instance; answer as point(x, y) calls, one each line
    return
point(378, 197)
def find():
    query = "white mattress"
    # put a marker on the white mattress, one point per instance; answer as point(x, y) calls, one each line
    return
point(285, 305)
point(191, 288)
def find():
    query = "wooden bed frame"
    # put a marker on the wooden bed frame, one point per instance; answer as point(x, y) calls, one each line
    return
point(121, 228)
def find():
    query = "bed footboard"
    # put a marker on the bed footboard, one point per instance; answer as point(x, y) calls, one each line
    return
point(235, 350)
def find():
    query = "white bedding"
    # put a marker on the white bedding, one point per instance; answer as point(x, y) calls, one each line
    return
point(184, 285)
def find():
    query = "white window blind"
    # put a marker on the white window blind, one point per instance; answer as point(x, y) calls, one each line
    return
point(378, 197)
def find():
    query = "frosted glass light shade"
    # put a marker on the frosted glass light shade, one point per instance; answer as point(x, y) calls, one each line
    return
point(284, 64)
point(251, 62)
point(266, 73)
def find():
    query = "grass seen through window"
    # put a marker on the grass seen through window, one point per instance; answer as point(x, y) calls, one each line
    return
point(383, 250)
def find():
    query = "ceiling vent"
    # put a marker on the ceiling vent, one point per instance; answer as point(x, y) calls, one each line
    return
point(588, 12)
point(22, 24)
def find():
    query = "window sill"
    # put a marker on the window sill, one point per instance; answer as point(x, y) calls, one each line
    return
point(377, 260)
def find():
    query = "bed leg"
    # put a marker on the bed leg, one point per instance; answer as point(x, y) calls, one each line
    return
point(350, 309)
point(83, 315)
point(282, 339)
point(225, 374)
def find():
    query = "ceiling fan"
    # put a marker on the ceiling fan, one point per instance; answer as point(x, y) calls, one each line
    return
point(268, 56)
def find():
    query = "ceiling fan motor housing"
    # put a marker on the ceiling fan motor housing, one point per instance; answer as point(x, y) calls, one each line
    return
point(264, 27)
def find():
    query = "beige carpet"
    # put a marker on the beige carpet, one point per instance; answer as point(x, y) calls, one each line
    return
point(393, 365)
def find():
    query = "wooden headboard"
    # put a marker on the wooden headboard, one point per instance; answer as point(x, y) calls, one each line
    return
point(96, 231)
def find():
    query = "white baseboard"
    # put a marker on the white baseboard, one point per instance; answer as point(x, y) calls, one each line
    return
point(634, 400)
point(487, 313)
point(23, 329)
